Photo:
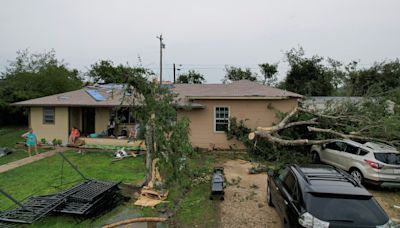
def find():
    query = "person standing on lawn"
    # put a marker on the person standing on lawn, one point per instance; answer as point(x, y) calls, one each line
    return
point(31, 141)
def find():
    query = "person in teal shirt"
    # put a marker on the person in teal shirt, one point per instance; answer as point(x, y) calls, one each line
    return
point(31, 141)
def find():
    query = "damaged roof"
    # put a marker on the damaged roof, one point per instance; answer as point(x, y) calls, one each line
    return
point(112, 95)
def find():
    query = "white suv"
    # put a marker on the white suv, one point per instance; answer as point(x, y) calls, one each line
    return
point(371, 162)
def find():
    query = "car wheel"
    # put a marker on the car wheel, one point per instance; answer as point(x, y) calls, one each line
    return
point(269, 197)
point(315, 157)
point(357, 175)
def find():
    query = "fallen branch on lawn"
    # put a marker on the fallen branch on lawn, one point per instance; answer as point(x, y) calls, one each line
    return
point(133, 220)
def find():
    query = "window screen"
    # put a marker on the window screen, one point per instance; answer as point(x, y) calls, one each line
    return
point(48, 115)
point(221, 118)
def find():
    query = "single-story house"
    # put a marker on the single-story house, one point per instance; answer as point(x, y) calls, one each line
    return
point(211, 106)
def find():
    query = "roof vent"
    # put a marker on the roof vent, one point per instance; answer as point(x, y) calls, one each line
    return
point(62, 98)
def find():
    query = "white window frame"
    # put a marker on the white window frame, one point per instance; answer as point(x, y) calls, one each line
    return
point(54, 115)
point(215, 117)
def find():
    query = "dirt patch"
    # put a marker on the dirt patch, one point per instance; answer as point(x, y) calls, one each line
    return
point(388, 199)
point(245, 198)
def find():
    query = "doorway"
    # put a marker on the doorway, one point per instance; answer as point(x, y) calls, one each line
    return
point(88, 120)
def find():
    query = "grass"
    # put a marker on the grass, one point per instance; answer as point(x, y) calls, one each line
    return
point(44, 176)
point(196, 210)
point(191, 206)
point(8, 137)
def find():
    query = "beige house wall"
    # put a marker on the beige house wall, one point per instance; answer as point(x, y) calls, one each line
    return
point(202, 132)
point(58, 130)
point(102, 118)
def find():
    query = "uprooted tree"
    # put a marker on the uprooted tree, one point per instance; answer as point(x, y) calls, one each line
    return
point(373, 119)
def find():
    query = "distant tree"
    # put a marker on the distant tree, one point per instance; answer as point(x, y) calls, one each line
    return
point(381, 77)
point(191, 77)
point(308, 76)
point(34, 75)
point(269, 72)
point(107, 72)
point(237, 73)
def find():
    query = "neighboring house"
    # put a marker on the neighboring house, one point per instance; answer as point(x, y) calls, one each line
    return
point(326, 103)
point(210, 107)
point(320, 103)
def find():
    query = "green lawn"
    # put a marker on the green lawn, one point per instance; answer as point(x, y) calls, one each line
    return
point(44, 176)
point(8, 137)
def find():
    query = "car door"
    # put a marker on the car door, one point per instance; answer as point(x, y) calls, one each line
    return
point(348, 157)
point(333, 151)
point(276, 191)
point(288, 209)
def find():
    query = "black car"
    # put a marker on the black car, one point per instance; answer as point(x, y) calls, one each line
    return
point(322, 196)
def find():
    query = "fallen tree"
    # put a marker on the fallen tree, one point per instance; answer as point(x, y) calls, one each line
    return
point(344, 122)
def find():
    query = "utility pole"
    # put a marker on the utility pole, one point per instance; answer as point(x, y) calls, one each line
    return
point(174, 73)
point(162, 46)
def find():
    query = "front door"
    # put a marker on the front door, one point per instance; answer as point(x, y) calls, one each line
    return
point(88, 120)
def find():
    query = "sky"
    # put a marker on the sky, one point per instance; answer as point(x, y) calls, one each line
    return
point(200, 35)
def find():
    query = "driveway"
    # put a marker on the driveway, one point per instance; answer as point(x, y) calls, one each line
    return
point(245, 198)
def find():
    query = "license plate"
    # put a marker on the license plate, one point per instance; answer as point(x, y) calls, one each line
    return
point(396, 171)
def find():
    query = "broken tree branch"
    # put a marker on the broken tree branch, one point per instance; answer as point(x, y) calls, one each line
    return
point(346, 136)
point(281, 124)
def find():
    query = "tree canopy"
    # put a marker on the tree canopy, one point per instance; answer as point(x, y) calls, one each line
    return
point(106, 71)
point(308, 76)
point(269, 72)
point(191, 77)
point(236, 73)
point(34, 75)
point(381, 77)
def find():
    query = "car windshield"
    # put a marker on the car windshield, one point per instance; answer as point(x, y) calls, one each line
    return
point(388, 158)
point(357, 211)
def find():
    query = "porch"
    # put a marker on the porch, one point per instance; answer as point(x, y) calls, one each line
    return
point(112, 143)
point(90, 120)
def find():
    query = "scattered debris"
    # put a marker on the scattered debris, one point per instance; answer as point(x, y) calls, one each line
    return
point(5, 152)
point(258, 168)
point(217, 185)
point(88, 198)
point(121, 153)
point(148, 196)
point(254, 186)
point(133, 220)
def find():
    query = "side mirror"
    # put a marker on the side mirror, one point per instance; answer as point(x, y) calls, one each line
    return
point(271, 173)
point(323, 146)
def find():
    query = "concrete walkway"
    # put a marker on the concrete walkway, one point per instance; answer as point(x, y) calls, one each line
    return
point(27, 160)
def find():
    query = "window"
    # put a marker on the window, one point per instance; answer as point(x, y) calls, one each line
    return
point(362, 152)
point(282, 174)
point(48, 115)
point(339, 146)
point(351, 149)
point(221, 118)
point(290, 183)
point(125, 116)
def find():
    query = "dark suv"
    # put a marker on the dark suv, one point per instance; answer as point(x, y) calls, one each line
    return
point(322, 196)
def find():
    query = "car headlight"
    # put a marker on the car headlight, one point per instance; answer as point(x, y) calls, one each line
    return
point(389, 224)
point(309, 221)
